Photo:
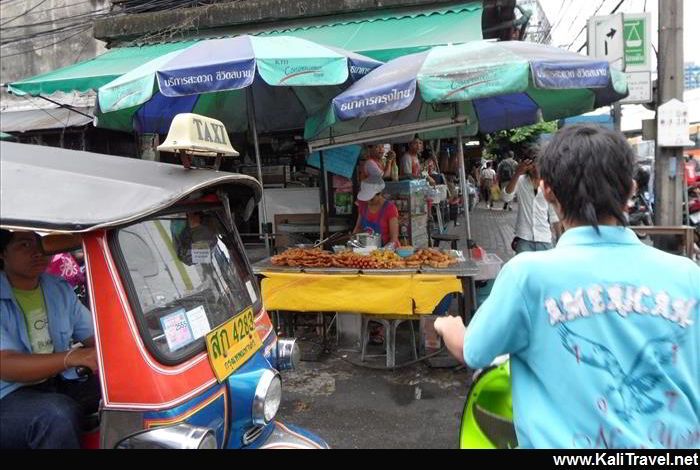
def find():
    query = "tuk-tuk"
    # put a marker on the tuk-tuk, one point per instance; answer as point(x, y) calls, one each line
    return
point(187, 355)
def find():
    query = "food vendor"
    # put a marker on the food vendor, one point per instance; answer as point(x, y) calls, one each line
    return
point(375, 213)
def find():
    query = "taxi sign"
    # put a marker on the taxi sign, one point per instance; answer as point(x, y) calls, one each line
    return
point(232, 344)
point(198, 135)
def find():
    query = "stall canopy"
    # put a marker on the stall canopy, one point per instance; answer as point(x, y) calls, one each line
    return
point(93, 73)
point(386, 35)
point(381, 35)
point(43, 119)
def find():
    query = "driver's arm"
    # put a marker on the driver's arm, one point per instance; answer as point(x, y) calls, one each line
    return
point(24, 368)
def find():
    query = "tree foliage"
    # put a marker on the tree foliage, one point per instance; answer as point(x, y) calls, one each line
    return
point(517, 140)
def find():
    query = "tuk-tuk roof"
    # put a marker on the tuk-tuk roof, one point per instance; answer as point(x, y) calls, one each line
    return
point(54, 189)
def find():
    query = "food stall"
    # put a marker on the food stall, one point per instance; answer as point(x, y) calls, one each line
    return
point(378, 283)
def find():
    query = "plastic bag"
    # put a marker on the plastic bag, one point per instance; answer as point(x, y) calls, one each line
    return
point(495, 193)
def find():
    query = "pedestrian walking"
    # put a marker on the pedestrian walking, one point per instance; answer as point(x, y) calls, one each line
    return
point(488, 178)
point(505, 172)
point(536, 218)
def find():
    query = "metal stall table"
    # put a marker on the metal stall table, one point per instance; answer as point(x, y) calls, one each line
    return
point(393, 293)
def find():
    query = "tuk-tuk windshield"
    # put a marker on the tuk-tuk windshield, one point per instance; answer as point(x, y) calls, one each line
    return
point(189, 275)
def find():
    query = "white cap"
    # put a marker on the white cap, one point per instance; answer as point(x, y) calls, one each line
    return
point(370, 188)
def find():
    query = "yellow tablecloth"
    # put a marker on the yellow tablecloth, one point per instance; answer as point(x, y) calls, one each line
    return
point(408, 294)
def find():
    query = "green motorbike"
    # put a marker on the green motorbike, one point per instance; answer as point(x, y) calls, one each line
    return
point(487, 419)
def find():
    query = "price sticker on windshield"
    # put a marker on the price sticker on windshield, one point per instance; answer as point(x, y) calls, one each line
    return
point(201, 253)
point(232, 344)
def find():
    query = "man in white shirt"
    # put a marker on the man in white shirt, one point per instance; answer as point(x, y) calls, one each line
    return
point(536, 217)
point(488, 177)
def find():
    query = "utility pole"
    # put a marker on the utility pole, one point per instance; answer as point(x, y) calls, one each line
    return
point(617, 116)
point(668, 165)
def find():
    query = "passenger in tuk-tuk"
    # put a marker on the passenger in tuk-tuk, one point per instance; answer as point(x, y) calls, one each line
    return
point(42, 400)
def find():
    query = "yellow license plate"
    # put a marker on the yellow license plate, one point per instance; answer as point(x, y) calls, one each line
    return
point(232, 344)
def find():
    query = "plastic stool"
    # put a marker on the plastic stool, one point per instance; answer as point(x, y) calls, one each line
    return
point(390, 324)
point(445, 237)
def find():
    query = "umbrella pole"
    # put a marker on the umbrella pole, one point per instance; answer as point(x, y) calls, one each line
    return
point(324, 191)
point(463, 185)
point(254, 130)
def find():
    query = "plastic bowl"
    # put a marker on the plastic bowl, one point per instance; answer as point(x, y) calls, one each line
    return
point(405, 251)
point(364, 251)
point(339, 248)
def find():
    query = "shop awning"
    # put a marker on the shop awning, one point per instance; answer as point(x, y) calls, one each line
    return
point(382, 35)
point(43, 119)
point(385, 35)
point(93, 73)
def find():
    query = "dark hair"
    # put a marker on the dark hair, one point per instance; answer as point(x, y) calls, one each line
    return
point(5, 239)
point(589, 169)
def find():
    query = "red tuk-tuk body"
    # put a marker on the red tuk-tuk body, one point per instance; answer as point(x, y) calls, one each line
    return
point(161, 249)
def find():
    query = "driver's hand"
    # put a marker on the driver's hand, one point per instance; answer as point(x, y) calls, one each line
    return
point(86, 357)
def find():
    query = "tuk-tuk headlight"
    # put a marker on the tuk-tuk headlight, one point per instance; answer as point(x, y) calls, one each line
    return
point(288, 354)
point(268, 396)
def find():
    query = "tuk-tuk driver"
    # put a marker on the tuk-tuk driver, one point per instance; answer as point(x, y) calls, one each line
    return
point(39, 315)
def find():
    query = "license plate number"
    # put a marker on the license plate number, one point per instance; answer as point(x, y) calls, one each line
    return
point(232, 344)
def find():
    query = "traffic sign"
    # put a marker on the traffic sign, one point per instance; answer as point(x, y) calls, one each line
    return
point(637, 41)
point(605, 39)
point(640, 88)
point(673, 128)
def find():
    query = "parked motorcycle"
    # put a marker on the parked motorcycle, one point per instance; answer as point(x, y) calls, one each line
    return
point(639, 206)
point(639, 211)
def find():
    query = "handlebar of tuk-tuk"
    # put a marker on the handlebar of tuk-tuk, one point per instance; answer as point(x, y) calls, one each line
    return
point(83, 371)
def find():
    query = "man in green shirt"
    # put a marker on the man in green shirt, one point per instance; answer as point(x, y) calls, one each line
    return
point(32, 304)
point(39, 317)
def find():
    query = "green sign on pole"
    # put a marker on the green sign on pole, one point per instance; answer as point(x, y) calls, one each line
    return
point(637, 41)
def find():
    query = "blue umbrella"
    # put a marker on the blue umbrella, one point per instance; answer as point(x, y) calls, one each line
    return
point(480, 86)
point(287, 77)
point(494, 85)
point(247, 82)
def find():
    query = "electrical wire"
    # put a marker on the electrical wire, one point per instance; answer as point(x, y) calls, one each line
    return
point(585, 25)
point(614, 10)
point(46, 10)
point(23, 14)
point(75, 21)
point(560, 18)
point(94, 13)
point(5, 56)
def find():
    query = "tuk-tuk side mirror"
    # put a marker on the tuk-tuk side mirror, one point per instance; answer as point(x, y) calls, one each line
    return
point(249, 208)
point(60, 243)
point(179, 436)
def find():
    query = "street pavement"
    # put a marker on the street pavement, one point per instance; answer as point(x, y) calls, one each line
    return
point(360, 406)
point(491, 229)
